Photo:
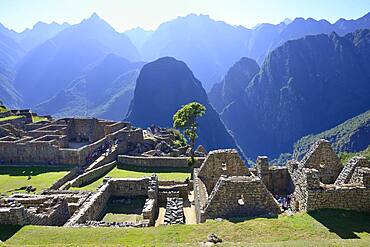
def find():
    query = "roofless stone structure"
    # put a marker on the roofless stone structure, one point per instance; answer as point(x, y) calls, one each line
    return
point(223, 187)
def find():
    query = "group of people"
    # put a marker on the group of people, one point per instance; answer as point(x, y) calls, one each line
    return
point(284, 201)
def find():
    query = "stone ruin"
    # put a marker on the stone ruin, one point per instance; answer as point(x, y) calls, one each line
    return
point(51, 208)
point(91, 213)
point(68, 141)
point(320, 181)
point(225, 188)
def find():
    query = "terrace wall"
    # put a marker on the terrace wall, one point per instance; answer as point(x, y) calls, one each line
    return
point(158, 161)
point(92, 175)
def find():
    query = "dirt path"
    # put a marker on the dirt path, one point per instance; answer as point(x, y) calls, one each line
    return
point(160, 219)
point(189, 212)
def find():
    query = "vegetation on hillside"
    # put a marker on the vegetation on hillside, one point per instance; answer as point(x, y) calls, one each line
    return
point(350, 136)
point(344, 157)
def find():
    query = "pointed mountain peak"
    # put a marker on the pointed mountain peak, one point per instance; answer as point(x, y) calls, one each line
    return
point(95, 16)
point(94, 21)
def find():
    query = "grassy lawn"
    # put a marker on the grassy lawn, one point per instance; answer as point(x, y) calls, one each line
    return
point(121, 212)
point(42, 177)
point(36, 119)
point(10, 118)
point(163, 174)
point(113, 217)
point(322, 228)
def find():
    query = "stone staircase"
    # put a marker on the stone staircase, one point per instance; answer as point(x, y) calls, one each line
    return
point(174, 211)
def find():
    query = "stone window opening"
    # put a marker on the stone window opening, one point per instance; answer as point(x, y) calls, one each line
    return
point(241, 200)
point(224, 167)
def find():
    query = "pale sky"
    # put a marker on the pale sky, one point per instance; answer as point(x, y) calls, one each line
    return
point(149, 14)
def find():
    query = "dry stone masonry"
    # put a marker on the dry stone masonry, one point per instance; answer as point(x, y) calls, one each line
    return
point(223, 187)
point(320, 181)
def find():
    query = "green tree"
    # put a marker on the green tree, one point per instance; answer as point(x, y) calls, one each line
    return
point(185, 119)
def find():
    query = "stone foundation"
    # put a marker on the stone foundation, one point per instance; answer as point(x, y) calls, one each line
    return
point(156, 161)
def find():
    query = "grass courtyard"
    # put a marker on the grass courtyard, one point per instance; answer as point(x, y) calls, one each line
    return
point(320, 228)
point(131, 172)
point(10, 118)
point(42, 177)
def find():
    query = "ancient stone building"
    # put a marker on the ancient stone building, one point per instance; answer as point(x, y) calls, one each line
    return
point(221, 162)
point(66, 141)
point(319, 182)
point(225, 188)
point(323, 158)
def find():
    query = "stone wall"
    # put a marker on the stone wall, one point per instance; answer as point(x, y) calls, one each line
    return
point(18, 122)
point(310, 194)
point(85, 129)
point(57, 216)
point(200, 195)
point(240, 196)
point(322, 157)
point(93, 208)
point(129, 186)
point(172, 189)
point(92, 175)
point(276, 179)
point(14, 215)
point(221, 162)
point(156, 161)
point(349, 169)
point(68, 177)
point(37, 210)
point(48, 144)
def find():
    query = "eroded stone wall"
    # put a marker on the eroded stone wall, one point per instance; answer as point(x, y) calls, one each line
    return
point(221, 162)
point(240, 196)
point(322, 157)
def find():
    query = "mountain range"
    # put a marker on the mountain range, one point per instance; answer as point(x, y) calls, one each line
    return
point(305, 86)
point(350, 136)
point(55, 64)
point(211, 47)
point(269, 85)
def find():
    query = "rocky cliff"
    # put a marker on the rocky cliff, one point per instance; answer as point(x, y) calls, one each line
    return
point(162, 87)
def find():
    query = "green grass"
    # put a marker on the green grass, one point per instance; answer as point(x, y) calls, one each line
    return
point(36, 119)
point(163, 174)
point(345, 157)
point(322, 228)
point(10, 118)
point(121, 212)
point(3, 109)
point(112, 217)
point(42, 177)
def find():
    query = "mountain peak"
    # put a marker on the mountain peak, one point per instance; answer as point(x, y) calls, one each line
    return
point(94, 16)
point(159, 83)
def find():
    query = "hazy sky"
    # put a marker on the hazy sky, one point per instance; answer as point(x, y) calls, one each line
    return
point(148, 14)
